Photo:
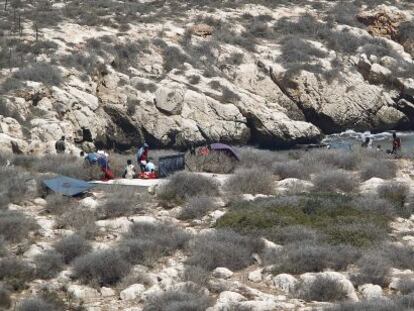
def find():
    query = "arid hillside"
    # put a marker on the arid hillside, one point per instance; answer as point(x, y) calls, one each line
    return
point(270, 73)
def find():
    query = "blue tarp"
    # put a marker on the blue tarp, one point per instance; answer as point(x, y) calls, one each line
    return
point(67, 186)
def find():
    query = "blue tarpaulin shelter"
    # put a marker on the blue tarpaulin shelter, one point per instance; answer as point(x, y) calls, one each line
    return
point(67, 186)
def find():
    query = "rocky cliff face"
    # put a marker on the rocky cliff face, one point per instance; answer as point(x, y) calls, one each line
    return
point(267, 75)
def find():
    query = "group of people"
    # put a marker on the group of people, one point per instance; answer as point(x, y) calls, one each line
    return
point(396, 144)
point(145, 163)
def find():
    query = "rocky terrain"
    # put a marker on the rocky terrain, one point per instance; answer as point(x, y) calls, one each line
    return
point(291, 237)
point(271, 73)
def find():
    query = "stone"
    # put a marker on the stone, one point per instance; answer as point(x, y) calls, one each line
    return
point(107, 292)
point(370, 291)
point(267, 305)
point(285, 282)
point(255, 276)
point(222, 273)
point(83, 293)
point(89, 202)
point(170, 100)
point(40, 202)
point(294, 185)
point(132, 292)
point(228, 297)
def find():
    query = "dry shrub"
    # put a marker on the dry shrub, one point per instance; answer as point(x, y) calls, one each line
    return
point(15, 226)
point(197, 207)
point(336, 180)
point(381, 168)
point(215, 162)
point(71, 247)
point(48, 264)
point(323, 288)
point(80, 219)
point(253, 181)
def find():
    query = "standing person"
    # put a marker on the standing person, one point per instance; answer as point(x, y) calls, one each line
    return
point(60, 145)
point(142, 156)
point(367, 143)
point(129, 172)
point(396, 144)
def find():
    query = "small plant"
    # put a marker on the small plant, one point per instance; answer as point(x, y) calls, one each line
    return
point(13, 185)
point(144, 243)
point(331, 181)
point(290, 169)
point(301, 257)
point(395, 192)
point(186, 185)
point(57, 204)
point(373, 268)
point(40, 72)
point(385, 169)
point(15, 272)
point(253, 181)
point(48, 265)
point(35, 304)
point(223, 248)
point(80, 219)
point(105, 267)
point(15, 226)
point(197, 275)
point(71, 247)
point(122, 202)
point(323, 288)
point(186, 298)
point(197, 207)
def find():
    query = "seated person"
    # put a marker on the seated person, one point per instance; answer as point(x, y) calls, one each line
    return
point(150, 166)
point(129, 172)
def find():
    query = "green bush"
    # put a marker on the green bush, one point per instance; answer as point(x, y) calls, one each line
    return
point(333, 215)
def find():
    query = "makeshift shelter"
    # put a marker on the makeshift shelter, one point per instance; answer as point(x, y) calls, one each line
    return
point(67, 186)
point(169, 164)
point(230, 151)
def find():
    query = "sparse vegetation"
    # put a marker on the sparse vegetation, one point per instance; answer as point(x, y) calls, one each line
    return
point(123, 202)
point(188, 297)
point(99, 268)
point(5, 300)
point(197, 207)
point(186, 185)
point(223, 248)
point(15, 272)
point(145, 243)
point(71, 247)
point(397, 194)
point(384, 169)
point(335, 180)
point(254, 181)
point(80, 219)
point(324, 288)
point(15, 226)
point(48, 264)
point(35, 304)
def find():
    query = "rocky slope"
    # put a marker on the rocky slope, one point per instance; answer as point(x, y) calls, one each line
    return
point(273, 74)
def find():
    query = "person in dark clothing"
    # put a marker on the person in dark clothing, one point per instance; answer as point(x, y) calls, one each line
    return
point(60, 145)
point(396, 144)
point(367, 143)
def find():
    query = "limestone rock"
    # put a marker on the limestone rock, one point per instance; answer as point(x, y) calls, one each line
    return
point(370, 291)
point(229, 298)
point(222, 273)
point(255, 276)
point(132, 292)
point(285, 282)
point(83, 293)
point(107, 292)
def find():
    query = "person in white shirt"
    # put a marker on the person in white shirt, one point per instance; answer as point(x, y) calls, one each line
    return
point(129, 172)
